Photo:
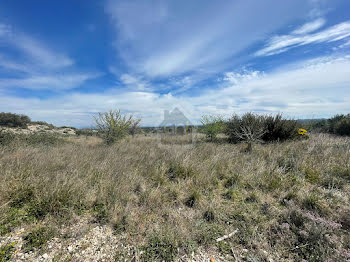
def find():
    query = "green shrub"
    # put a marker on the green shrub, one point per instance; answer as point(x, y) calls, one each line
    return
point(315, 125)
point(332, 122)
point(279, 129)
point(37, 238)
point(6, 138)
point(161, 247)
point(46, 139)
point(34, 139)
point(6, 252)
point(337, 125)
point(212, 126)
point(85, 132)
point(13, 217)
point(14, 120)
point(342, 127)
point(114, 126)
point(253, 128)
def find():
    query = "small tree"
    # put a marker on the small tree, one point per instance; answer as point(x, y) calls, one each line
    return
point(249, 128)
point(114, 126)
point(212, 126)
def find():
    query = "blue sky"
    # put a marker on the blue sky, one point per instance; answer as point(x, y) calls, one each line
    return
point(63, 61)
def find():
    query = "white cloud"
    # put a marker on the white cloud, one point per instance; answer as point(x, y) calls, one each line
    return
point(13, 66)
point(308, 89)
point(310, 27)
point(279, 44)
point(40, 53)
point(35, 66)
point(171, 38)
point(346, 44)
point(240, 78)
point(47, 82)
point(133, 82)
point(33, 49)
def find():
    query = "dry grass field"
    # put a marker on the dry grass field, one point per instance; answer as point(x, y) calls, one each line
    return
point(141, 200)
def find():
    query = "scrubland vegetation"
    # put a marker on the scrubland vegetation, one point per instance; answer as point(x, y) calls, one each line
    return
point(287, 196)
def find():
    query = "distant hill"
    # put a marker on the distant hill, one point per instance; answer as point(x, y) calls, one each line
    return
point(311, 120)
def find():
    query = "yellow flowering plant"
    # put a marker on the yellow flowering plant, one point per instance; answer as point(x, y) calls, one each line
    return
point(302, 132)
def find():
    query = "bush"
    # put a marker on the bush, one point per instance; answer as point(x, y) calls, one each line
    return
point(14, 120)
point(332, 122)
point(342, 127)
point(114, 126)
point(37, 238)
point(212, 126)
point(249, 128)
point(254, 128)
point(279, 129)
point(161, 247)
point(45, 139)
point(35, 139)
point(314, 125)
point(337, 125)
point(6, 138)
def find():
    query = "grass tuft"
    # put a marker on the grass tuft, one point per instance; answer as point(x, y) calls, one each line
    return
point(6, 252)
point(37, 238)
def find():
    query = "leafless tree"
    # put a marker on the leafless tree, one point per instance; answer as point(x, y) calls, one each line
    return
point(249, 128)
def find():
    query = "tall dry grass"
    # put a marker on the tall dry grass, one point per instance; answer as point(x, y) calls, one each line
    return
point(289, 201)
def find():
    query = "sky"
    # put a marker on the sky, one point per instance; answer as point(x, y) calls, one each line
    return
point(63, 61)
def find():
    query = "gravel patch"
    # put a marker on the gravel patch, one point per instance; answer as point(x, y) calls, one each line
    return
point(87, 241)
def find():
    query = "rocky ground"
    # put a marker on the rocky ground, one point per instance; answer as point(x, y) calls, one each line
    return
point(87, 241)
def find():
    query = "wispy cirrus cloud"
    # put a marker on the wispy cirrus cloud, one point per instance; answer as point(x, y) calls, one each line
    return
point(237, 78)
point(35, 66)
point(39, 53)
point(303, 36)
point(308, 89)
point(164, 39)
point(32, 49)
point(195, 55)
point(310, 27)
point(57, 82)
point(133, 82)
